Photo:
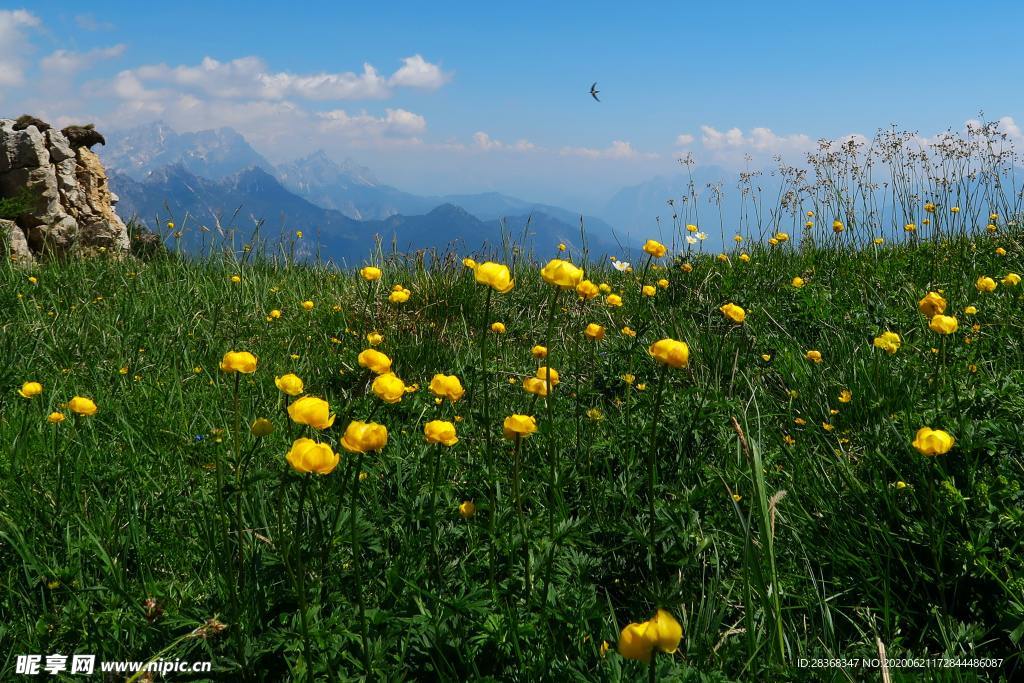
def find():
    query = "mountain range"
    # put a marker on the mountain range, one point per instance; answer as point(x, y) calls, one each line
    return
point(216, 177)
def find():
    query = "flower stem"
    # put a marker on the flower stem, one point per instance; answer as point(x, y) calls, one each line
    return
point(357, 562)
point(300, 565)
point(652, 472)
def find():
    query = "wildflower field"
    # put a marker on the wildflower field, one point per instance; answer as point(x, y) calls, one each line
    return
point(525, 467)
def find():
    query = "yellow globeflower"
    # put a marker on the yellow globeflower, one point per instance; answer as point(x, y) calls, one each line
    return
point(261, 427)
point(55, 418)
point(543, 372)
point(447, 386)
point(539, 352)
point(594, 331)
point(536, 386)
point(733, 313)
point(81, 405)
point(971, 310)
point(274, 314)
point(649, 290)
point(1000, 251)
point(30, 389)
point(467, 509)
point(311, 411)
point(495, 276)
point(399, 296)
point(1011, 280)
point(655, 248)
point(686, 268)
point(813, 355)
point(845, 396)
point(309, 457)
point(375, 361)
point(671, 352)
point(307, 305)
point(888, 342)
point(469, 263)
point(374, 338)
point(985, 284)
point(238, 361)
point(613, 300)
point(388, 387)
point(364, 437)
point(587, 289)
point(370, 273)
point(943, 324)
point(932, 304)
point(519, 425)
point(837, 226)
point(441, 432)
point(498, 328)
point(289, 384)
point(662, 632)
point(561, 274)
point(635, 643)
point(930, 441)
point(663, 283)
point(797, 282)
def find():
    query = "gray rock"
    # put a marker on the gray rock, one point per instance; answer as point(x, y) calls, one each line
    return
point(13, 244)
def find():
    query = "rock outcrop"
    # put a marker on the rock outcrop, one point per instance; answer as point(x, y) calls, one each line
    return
point(71, 206)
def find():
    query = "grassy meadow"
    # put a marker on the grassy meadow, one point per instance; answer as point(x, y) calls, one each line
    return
point(770, 491)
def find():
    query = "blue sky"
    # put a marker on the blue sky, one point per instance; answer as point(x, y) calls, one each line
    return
point(489, 77)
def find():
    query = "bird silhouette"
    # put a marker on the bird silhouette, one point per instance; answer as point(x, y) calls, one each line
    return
point(594, 91)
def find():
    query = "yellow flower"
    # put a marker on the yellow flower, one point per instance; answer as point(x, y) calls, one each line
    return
point(991, 228)
point(236, 279)
point(888, 342)
point(628, 331)
point(30, 389)
point(654, 248)
point(954, 209)
point(648, 290)
point(274, 314)
point(671, 352)
point(374, 338)
point(691, 228)
point(261, 427)
point(772, 241)
point(495, 276)
point(307, 456)
point(388, 387)
point(543, 372)
point(930, 441)
point(1000, 251)
point(737, 238)
point(55, 418)
point(238, 361)
point(809, 224)
point(722, 257)
point(985, 284)
point(81, 405)
point(363, 437)
point(447, 386)
point(932, 304)
point(519, 426)
point(399, 296)
point(810, 214)
point(311, 411)
point(736, 497)
point(595, 414)
point(813, 356)
point(613, 300)
point(469, 263)
point(993, 217)
point(594, 331)
point(539, 351)
point(943, 324)
point(307, 305)
point(375, 361)
point(289, 384)
point(662, 632)
point(1011, 280)
point(561, 247)
point(686, 268)
point(879, 240)
point(498, 328)
point(782, 236)
point(561, 274)
point(745, 257)
point(929, 207)
point(370, 273)
point(536, 386)
point(733, 313)
point(467, 509)
point(587, 289)
point(440, 431)
point(845, 396)
point(797, 282)
point(604, 287)
point(298, 234)
point(628, 378)
point(837, 226)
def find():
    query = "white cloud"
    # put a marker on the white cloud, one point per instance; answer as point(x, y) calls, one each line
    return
point(398, 122)
point(759, 140)
point(14, 43)
point(684, 140)
point(417, 72)
point(88, 22)
point(67, 63)
point(617, 150)
point(250, 78)
point(486, 143)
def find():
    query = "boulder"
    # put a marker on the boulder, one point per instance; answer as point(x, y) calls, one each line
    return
point(71, 206)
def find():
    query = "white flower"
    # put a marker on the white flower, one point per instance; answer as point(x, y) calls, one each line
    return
point(621, 266)
point(702, 235)
point(691, 240)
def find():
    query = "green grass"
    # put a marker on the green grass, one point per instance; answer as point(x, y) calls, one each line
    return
point(821, 556)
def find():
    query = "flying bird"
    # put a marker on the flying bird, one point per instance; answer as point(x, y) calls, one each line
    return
point(594, 91)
